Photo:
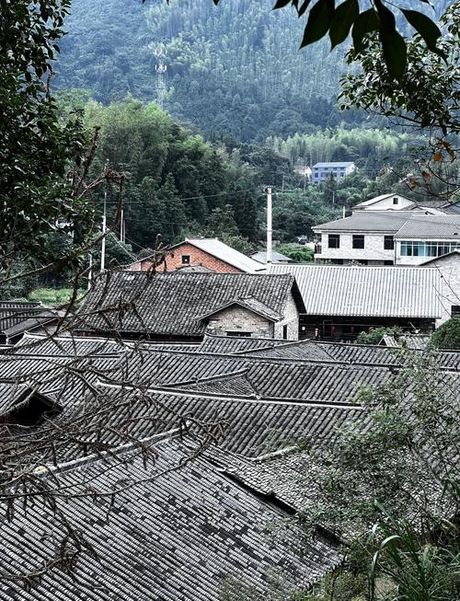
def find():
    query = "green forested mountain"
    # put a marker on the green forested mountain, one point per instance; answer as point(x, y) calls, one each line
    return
point(233, 71)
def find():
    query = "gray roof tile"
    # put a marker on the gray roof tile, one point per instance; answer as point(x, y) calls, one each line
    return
point(173, 304)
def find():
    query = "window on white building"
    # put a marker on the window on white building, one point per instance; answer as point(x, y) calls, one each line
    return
point(388, 243)
point(334, 241)
point(419, 248)
point(358, 241)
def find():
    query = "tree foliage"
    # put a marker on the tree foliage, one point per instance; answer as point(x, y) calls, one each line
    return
point(36, 148)
point(447, 336)
point(428, 93)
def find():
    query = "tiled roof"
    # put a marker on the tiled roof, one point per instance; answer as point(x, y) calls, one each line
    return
point(436, 227)
point(245, 425)
point(413, 342)
point(269, 378)
point(367, 291)
point(188, 534)
point(320, 351)
point(367, 221)
point(226, 253)
point(16, 317)
point(173, 304)
point(334, 164)
point(72, 346)
point(213, 343)
point(402, 224)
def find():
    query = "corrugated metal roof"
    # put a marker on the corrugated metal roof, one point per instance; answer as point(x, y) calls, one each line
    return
point(226, 253)
point(367, 291)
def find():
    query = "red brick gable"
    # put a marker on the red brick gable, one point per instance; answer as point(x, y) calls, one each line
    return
point(197, 256)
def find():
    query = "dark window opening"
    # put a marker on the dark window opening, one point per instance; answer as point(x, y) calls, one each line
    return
point(358, 241)
point(239, 334)
point(31, 409)
point(334, 240)
point(185, 259)
point(455, 311)
point(285, 332)
point(388, 263)
point(395, 200)
point(388, 243)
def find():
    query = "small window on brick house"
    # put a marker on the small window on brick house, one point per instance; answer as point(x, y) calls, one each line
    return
point(388, 243)
point(358, 241)
point(455, 311)
point(334, 241)
point(185, 259)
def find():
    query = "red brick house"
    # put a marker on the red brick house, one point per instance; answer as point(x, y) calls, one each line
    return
point(204, 253)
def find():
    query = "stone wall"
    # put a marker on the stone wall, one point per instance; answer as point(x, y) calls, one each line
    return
point(239, 320)
point(236, 319)
point(291, 320)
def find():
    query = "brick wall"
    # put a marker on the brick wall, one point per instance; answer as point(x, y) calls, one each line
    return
point(197, 257)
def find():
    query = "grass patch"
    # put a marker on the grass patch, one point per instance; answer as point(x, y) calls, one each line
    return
point(53, 296)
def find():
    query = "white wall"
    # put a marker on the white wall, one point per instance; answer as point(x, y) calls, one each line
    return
point(373, 249)
point(449, 294)
point(386, 204)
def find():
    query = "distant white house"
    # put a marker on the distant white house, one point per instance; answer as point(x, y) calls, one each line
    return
point(385, 202)
point(387, 238)
point(321, 172)
point(397, 202)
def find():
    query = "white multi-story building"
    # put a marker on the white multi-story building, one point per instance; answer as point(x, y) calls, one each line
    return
point(387, 238)
point(321, 172)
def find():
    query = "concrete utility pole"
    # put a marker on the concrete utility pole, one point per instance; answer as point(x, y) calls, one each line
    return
point(104, 232)
point(269, 225)
point(90, 271)
point(122, 225)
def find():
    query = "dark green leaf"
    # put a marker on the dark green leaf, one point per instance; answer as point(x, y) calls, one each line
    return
point(394, 53)
point(303, 7)
point(319, 21)
point(425, 27)
point(387, 18)
point(344, 17)
point(281, 4)
point(365, 23)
